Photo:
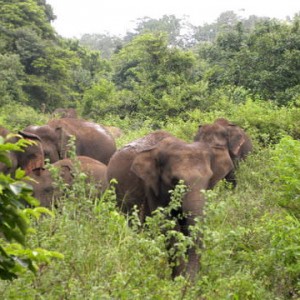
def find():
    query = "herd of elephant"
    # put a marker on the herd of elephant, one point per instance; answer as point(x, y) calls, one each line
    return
point(145, 169)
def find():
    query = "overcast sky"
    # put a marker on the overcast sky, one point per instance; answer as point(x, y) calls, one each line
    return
point(76, 17)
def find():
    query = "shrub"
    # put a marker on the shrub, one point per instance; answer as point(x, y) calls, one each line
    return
point(286, 173)
point(16, 117)
point(15, 221)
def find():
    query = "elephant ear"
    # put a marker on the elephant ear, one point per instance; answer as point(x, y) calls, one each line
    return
point(33, 156)
point(63, 141)
point(236, 139)
point(145, 167)
point(66, 169)
point(66, 173)
point(29, 135)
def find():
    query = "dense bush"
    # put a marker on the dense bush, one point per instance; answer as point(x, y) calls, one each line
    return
point(15, 116)
point(286, 168)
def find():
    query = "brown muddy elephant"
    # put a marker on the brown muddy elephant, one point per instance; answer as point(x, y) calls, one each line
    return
point(30, 158)
point(45, 191)
point(148, 168)
point(92, 139)
point(224, 133)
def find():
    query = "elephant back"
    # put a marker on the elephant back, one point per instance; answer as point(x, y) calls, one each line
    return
point(92, 139)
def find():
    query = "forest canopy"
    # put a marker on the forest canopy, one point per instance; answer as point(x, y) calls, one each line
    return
point(166, 64)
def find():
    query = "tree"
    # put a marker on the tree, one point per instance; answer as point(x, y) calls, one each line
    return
point(105, 43)
point(264, 61)
point(157, 75)
point(168, 24)
point(11, 79)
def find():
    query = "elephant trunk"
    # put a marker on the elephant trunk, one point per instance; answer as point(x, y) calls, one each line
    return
point(192, 207)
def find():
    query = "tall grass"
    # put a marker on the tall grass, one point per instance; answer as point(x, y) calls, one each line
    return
point(251, 240)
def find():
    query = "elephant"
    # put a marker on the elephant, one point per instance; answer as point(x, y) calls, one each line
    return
point(92, 139)
point(224, 133)
point(45, 191)
point(65, 113)
point(148, 168)
point(30, 158)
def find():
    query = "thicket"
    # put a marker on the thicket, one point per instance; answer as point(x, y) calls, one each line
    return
point(244, 70)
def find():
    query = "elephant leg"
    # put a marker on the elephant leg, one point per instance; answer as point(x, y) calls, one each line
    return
point(188, 264)
point(230, 177)
point(187, 268)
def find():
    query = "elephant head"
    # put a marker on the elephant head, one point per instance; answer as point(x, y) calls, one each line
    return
point(199, 166)
point(224, 133)
point(54, 141)
point(239, 142)
point(30, 158)
point(43, 185)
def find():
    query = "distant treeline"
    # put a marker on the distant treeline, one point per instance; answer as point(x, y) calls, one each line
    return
point(166, 67)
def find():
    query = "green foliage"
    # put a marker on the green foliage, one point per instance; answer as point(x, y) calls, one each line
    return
point(167, 24)
point(161, 227)
point(264, 121)
point(111, 260)
point(263, 61)
point(11, 79)
point(100, 100)
point(15, 116)
point(251, 245)
point(241, 69)
point(15, 255)
point(286, 169)
point(29, 13)
point(156, 75)
point(105, 43)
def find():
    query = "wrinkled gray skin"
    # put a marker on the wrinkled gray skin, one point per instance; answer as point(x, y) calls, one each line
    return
point(43, 188)
point(225, 134)
point(92, 139)
point(30, 158)
point(148, 168)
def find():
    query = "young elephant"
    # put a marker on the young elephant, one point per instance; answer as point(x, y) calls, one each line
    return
point(148, 168)
point(44, 190)
point(228, 135)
